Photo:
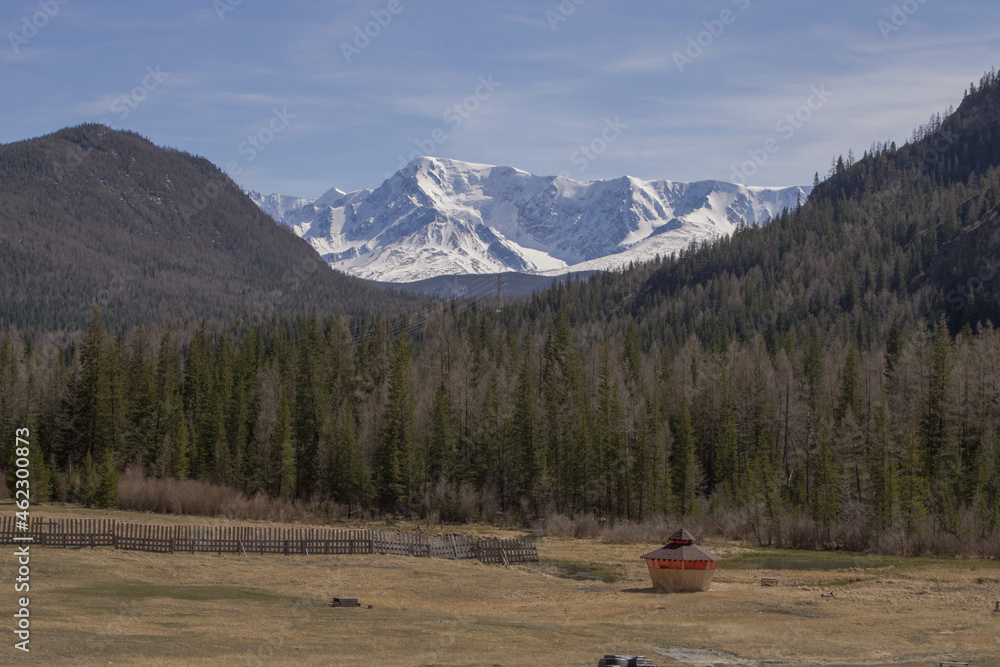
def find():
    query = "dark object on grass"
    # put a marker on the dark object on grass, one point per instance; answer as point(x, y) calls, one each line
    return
point(345, 602)
point(625, 661)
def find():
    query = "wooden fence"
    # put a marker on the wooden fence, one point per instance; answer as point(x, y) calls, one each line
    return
point(81, 533)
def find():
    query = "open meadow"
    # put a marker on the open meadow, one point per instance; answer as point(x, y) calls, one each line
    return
point(585, 599)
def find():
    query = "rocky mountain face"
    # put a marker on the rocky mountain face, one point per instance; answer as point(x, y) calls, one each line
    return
point(438, 217)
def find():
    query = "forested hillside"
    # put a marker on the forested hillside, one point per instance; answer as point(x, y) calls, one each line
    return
point(93, 217)
point(832, 379)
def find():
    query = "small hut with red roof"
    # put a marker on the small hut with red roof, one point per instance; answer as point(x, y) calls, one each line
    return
point(680, 566)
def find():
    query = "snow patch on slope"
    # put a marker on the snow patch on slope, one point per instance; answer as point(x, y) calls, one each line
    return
point(440, 217)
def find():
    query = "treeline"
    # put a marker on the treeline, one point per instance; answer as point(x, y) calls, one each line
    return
point(872, 448)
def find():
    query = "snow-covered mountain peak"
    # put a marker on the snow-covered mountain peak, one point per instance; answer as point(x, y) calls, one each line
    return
point(275, 205)
point(330, 197)
point(438, 216)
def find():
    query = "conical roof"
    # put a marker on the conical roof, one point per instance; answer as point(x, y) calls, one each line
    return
point(682, 536)
point(681, 547)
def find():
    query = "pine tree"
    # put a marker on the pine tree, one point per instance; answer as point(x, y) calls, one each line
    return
point(913, 492)
point(106, 493)
point(141, 391)
point(570, 459)
point(850, 398)
point(170, 404)
point(93, 425)
point(40, 476)
point(524, 434)
point(349, 472)
point(621, 455)
point(603, 430)
point(282, 452)
point(178, 460)
point(941, 459)
point(986, 475)
point(85, 490)
point(812, 362)
point(238, 430)
point(441, 446)
point(631, 354)
point(645, 466)
point(825, 502)
point(682, 464)
point(393, 471)
point(581, 462)
point(221, 462)
point(307, 401)
point(118, 400)
point(491, 462)
point(728, 443)
point(197, 395)
point(555, 397)
point(288, 468)
point(893, 348)
point(8, 385)
point(883, 479)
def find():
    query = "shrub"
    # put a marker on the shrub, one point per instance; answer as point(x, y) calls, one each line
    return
point(586, 526)
point(650, 531)
point(171, 496)
point(558, 525)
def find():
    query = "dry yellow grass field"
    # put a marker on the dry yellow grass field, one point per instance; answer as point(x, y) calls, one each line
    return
point(102, 606)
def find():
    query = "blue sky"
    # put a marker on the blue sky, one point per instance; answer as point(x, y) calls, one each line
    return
point(694, 90)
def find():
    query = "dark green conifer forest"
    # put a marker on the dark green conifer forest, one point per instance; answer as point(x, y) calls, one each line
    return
point(831, 379)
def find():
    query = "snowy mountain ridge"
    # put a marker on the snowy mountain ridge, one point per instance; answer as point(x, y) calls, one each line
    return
point(438, 217)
